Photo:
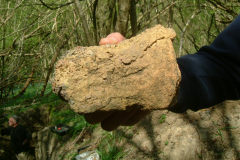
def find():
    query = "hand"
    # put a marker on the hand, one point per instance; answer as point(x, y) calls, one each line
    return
point(25, 142)
point(113, 38)
point(113, 119)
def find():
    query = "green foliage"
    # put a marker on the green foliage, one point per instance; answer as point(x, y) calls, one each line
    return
point(58, 115)
point(32, 91)
point(30, 30)
point(108, 149)
point(72, 155)
point(219, 130)
point(69, 117)
point(199, 155)
point(166, 142)
point(161, 153)
point(162, 118)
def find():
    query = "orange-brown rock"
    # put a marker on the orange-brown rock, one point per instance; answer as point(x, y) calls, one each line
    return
point(138, 72)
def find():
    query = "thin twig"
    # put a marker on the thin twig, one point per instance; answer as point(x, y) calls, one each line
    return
point(60, 5)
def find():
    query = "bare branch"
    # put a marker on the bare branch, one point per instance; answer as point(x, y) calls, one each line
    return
point(219, 4)
point(84, 23)
point(166, 8)
point(61, 45)
point(60, 5)
point(184, 30)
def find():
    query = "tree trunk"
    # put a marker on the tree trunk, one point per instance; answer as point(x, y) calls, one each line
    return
point(122, 19)
point(133, 18)
point(84, 23)
point(2, 58)
point(95, 20)
point(170, 20)
point(111, 22)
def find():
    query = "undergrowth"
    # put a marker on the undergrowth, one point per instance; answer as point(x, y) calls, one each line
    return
point(62, 114)
point(108, 149)
point(27, 97)
point(58, 115)
point(71, 118)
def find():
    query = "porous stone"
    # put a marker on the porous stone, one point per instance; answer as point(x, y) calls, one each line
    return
point(138, 72)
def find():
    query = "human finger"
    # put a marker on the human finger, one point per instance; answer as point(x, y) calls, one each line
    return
point(97, 117)
point(138, 115)
point(113, 38)
point(116, 119)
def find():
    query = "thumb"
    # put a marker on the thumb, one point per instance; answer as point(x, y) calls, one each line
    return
point(113, 38)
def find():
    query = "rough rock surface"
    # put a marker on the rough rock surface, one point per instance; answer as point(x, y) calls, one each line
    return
point(209, 134)
point(138, 72)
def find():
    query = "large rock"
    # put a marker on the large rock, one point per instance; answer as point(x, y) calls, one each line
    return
point(138, 72)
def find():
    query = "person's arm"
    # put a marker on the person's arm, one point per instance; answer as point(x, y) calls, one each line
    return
point(28, 137)
point(6, 131)
point(212, 75)
point(209, 77)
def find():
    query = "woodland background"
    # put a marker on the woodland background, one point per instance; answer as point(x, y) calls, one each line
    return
point(34, 33)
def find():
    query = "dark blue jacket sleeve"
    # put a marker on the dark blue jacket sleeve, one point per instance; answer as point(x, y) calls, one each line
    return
point(212, 75)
